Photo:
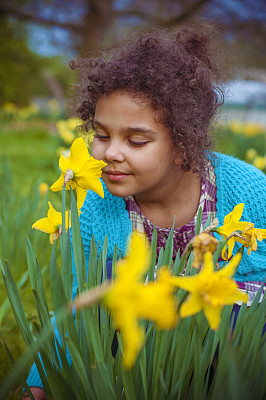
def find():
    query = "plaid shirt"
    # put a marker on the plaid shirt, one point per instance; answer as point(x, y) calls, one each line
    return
point(185, 233)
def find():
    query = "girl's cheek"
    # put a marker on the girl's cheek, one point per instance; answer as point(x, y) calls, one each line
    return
point(96, 151)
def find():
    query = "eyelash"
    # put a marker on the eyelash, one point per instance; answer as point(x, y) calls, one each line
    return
point(131, 142)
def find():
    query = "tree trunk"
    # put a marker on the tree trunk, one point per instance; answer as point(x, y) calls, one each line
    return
point(96, 22)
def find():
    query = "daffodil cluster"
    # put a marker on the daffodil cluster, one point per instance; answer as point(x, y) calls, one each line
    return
point(80, 172)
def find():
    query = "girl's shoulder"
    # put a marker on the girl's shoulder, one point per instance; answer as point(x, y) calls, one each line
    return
point(239, 182)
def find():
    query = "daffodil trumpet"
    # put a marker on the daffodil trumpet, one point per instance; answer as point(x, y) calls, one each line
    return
point(200, 244)
point(80, 171)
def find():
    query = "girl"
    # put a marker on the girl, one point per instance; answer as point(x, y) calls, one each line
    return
point(151, 102)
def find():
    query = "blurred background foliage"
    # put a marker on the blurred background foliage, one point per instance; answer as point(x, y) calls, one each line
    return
point(38, 39)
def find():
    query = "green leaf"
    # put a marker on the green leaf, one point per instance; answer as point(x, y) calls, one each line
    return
point(153, 255)
point(16, 303)
point(79, 366)
point(77, 245)
point(37, 284)
point(198, 222)
point(22, 380)
point(103, 387)
point(168, 251)
point(15, 372)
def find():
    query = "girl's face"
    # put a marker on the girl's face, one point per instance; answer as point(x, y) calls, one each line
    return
point(141, 160)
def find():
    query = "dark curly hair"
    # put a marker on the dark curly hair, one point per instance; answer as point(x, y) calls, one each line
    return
point(174, 71)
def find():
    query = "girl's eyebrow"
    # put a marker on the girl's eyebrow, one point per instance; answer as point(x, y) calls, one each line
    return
point(139, 129)
point(130, 129)
point(95, 122)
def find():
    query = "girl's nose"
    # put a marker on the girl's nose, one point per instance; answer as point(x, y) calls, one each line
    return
point(114, 152)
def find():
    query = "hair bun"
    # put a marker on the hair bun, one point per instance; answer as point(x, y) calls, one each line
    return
point(196, 41)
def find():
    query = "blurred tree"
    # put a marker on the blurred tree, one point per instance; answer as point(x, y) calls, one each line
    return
point(91, 24)
point(23, 73)
point(83, 26)
point(19, 66)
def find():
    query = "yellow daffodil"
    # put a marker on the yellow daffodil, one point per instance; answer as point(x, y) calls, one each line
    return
point(250, 154)
point(231, 224)
point(210, 290)
point(201, 244)
point(259, 162)
point(52, 224)
point(129, 299)
point(81, 171)
point(43, 188)
point(251, 235)
point(248, 234)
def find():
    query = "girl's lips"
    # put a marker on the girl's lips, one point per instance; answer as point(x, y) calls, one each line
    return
point(116, 175)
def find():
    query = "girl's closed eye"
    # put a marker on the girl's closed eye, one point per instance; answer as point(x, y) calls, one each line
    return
point(137, 143)
point(101, 136)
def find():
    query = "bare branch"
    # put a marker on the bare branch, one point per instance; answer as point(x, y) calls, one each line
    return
point(189, 10)
point(22, 15)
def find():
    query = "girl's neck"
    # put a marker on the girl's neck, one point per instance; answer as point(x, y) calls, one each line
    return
point(179, 199)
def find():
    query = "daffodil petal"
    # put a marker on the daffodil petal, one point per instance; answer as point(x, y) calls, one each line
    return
point(81, 195)
point(93, 184)
point(238, 211)
point(45, 225)
point(229, 270)
point(132, 339)
point(137, 261)
point(64, 164)
point(160, 305)
point(208, 266)
point(54, 215)
point(53, 237)
point(213, 315)
point(191, 306)
point(78, 154)
point(231, 245)
point(67, 219)
point(231, 227)
point(227, 218)
point(91, 167)
point(239, 296)
point(189, 283)
point(263, 233)
point(58, 184)
point(224, 253)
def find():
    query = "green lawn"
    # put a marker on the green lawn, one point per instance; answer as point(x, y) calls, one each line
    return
point(31, 149)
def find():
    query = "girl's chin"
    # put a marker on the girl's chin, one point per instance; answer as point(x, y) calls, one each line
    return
point(117, 191)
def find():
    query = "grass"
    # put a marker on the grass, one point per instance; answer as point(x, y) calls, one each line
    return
point(31, 149)
point(27, 158)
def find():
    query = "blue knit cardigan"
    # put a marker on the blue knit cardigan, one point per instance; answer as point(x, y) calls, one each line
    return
point(236, 182)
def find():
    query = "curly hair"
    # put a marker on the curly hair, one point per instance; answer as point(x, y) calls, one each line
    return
point(174, 71)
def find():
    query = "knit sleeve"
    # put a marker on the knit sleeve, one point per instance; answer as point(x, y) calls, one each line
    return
point(238, 182)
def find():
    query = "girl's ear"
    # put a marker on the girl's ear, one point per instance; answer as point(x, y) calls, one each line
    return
point(178, 159)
